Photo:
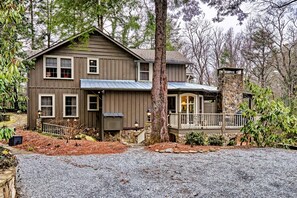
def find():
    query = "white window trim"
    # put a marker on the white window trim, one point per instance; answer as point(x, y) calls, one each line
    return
point(88, 65)
point(176, 101)
point(93, 95)
point(58, 67)
point(39, 104)
point(64, 106)
point(150, 72)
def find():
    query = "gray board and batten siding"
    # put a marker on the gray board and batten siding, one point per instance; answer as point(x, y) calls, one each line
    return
point(114, 64)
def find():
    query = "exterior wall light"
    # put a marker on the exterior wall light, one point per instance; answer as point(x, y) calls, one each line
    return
point(136, 125)
point(148, 113)
point(39, 113)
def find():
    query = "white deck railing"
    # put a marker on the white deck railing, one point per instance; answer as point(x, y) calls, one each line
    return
point(205, 120)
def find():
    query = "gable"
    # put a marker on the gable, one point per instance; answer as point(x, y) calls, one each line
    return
point(95, 46)
point(98, 43)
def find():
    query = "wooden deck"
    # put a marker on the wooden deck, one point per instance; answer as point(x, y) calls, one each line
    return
point(212, 123)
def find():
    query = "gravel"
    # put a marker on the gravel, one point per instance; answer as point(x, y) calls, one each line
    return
point(138, 173)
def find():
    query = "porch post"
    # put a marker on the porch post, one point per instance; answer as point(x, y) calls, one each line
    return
point(102, 118)
point(179, 120)
point(223, 123)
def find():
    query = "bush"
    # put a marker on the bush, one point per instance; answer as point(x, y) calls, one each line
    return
point(269, 122)
point(7, 159)
point(231, 143)
point(195, 138)
point(6, 133)
point(216, 140)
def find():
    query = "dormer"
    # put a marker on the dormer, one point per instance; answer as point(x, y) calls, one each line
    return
point(175, 61)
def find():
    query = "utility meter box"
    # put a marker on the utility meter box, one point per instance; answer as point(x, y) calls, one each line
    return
point(113, 121)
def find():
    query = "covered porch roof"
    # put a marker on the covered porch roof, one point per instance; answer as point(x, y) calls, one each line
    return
point(131, 85)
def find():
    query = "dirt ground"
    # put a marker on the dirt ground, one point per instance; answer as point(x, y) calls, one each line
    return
point(16, 121)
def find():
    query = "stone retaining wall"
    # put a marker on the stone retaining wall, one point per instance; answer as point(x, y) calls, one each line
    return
point(7, 183)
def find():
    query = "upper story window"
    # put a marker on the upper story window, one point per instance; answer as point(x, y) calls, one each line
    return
point(58, 67)
point(93, 66)
point(93, 102)
point(46, 105)
point(70, 105)
point(145, 71)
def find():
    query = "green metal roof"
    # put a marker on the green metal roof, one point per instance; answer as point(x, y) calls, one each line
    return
point(132, 85)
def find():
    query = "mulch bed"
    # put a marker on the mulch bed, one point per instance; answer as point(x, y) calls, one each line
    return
point(39, 143)
point(48, 145)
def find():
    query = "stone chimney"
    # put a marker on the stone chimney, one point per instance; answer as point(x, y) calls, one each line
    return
point(231, 89)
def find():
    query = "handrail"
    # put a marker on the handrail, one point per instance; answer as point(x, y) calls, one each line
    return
point(55, 129)
point(206, 120)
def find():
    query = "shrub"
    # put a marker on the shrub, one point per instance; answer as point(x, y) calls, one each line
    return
point(269, 121)
point(6, 133)
point(216, 140)
point(7, 159)
point(195, 138)
point(231, 143)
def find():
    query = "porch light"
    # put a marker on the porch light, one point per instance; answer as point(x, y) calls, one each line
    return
point(39, 113)
point(148, 113)
point(136, 125)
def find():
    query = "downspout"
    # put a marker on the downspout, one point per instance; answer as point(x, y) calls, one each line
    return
point(102, 118)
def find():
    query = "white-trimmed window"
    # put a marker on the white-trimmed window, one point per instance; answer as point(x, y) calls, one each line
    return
point(58, 67)
point(93, 102)
point(46, 103)
point(70, 105)
point(145, 71)
point(93, 66)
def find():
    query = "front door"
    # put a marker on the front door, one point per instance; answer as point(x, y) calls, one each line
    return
point(188, 108)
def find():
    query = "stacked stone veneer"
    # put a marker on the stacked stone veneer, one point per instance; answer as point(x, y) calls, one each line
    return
point(231, 90)
point(7, 183)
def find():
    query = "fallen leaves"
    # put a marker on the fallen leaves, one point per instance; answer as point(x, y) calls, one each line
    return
point(39, 143)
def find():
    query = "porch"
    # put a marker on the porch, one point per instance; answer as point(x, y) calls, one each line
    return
point(181, 123)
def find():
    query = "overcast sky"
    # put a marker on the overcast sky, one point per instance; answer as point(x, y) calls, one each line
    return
point(228, 22)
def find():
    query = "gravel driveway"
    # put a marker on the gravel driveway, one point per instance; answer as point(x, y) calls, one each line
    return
point(139, 173)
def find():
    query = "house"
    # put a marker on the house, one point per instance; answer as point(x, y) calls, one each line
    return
point(83, 80)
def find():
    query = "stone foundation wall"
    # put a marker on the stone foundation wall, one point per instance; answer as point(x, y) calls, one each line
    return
point(130, 136)
point(228, 136)
point(7, 183)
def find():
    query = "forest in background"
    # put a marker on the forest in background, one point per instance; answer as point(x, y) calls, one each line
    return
point(266, 49)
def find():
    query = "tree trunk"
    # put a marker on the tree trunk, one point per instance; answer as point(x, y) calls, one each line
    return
point(32, 25)
point(159, 89)
point(16, 98)
point(48, 23)
point(100, 17)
